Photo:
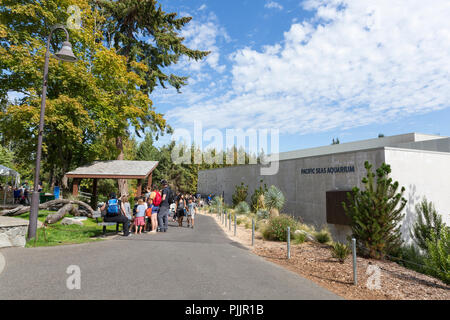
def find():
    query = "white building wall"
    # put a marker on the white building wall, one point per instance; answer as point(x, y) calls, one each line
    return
point(422, 173)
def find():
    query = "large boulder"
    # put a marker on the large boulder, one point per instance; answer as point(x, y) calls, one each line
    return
point(71, 221)
point(13, 232)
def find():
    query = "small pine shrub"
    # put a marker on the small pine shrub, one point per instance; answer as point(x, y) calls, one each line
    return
point(277, 228)
point(240, 194)
point(376, 212)
point(428, 220)
point(438, 258)
point(323, 236)
point(242, 208)
point(340, 251)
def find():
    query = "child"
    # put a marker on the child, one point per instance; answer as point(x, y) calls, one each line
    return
point(192, 209)
point(139, 222)
point(126, 210)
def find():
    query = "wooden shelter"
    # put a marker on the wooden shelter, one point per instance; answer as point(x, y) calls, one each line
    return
point(114, 169)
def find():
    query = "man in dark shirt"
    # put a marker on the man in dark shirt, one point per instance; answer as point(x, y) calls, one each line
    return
point(163, 214)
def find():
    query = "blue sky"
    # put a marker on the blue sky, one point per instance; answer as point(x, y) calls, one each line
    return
point(313, 69)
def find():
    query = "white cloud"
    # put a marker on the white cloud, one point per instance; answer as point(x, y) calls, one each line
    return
point(355, 63)
point(202, 7)
point(204, 35)
point(273, 5)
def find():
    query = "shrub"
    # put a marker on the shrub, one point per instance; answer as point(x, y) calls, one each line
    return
point(323, 236)
point(410, 257)
point(438, 258)
point(376, 212)
point(428, 220)
point(257, 199)
point(217, 203)
point(299, 238)
point(239, 221)
point(240, 194)
point(242, 208)
point(340, 251)
point(277, 227)
point(274, 200)
point(262, 214)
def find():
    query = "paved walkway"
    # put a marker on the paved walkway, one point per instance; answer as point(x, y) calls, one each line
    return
point(180, 264)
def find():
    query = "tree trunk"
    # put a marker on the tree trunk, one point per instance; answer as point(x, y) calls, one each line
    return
point(68, 208)
point(48, 205)
point(122, 183)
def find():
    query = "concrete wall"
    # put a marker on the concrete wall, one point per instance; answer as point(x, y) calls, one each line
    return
point(305, 194)
point(422, 173)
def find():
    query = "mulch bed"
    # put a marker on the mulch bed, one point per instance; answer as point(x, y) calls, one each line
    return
point(314, 261)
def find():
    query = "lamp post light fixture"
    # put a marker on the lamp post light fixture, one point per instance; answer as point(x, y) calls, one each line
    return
point(65, 54)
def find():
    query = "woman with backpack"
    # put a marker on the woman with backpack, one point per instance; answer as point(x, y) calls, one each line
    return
point(114, 213)
point(155, 200)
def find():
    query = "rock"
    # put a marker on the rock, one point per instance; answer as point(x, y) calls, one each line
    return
point(13, 232)
point(70, 221)
point(309, 237)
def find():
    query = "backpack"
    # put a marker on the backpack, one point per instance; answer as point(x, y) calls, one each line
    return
point(170, 198)
point(113, 207)
point(157, 199)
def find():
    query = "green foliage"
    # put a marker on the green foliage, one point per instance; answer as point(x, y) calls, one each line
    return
point(323, 236)
point(262, 214)
point(428, 221)
point(274, 198)
point(299, 238)
point(438, 258)
point(240, 194)
point(257, 199)
point(6, 157)
point(217, 203)
point(242, 208)
point(376, 213)
point(340, 251)
point(410, 257)
point(277, 228)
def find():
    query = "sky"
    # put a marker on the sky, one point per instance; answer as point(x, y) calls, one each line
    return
point(314, 70)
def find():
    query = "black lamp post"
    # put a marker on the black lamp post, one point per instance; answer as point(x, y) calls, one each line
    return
point(64, 54)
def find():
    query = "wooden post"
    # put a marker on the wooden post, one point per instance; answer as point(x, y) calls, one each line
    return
point(150, 180)
point(139, 188)
point(94, 198)
point(76, 184)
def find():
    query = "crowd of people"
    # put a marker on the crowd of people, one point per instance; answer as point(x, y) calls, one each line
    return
point(152, 211)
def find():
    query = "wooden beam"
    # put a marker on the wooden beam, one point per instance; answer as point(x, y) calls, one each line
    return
point(139, 188)
point(100, 176)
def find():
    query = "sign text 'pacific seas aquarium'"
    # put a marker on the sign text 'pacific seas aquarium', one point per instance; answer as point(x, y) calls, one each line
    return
point(329, 170)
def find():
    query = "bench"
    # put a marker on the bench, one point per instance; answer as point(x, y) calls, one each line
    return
point(104, 224)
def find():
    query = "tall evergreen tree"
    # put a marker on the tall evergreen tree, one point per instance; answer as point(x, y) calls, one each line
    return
point(142, 32)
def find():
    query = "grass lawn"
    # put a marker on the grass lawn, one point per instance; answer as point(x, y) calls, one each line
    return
point(58, 234)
